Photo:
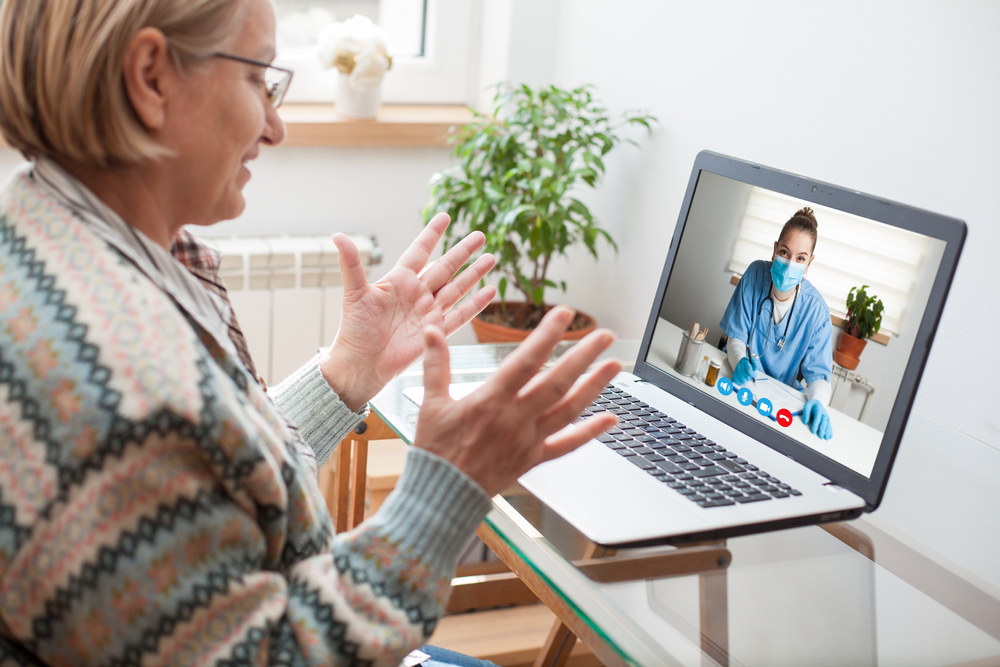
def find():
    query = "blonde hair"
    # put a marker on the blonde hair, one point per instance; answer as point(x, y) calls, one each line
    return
point(62, 93)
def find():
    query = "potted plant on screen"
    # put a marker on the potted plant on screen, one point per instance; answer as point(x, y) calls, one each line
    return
point(518, 174)
point(864, 319)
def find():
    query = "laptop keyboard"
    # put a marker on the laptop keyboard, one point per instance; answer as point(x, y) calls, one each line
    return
point(702, 471)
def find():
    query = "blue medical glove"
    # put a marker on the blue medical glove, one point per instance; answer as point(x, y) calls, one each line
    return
point(815, 415)
point(746, 370)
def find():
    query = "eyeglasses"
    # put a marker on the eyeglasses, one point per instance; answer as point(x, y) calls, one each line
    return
point(276, 79)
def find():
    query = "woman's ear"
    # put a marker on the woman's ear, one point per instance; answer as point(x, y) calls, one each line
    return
point(146, 68)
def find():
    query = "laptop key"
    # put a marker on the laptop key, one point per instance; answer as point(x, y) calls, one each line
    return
point(641, 462)
point(615, 445)
point(730, 466)
point(710, 471)
point(757, 497)
point(724, 502)
point(706, 503)
point(795, 493)
point(690, 467)
point(625, 451)
point(642, 450)
point(779, 494)
point(604, 437)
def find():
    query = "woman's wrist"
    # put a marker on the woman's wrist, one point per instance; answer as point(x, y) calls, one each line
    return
point(348, 378)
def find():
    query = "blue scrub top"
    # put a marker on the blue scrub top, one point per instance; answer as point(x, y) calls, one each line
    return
point(808, 346)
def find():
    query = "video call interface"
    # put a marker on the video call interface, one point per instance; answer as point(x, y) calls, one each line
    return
point(739, 290)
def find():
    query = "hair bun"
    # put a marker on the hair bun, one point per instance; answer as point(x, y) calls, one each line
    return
point(808, 214)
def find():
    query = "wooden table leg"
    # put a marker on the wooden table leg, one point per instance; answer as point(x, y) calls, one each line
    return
point(557, 648)
point(713, 591)
point(359, 480)
point(341, 486)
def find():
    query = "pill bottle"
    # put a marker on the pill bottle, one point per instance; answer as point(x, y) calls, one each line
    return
point(703, 368)
point(713, 372)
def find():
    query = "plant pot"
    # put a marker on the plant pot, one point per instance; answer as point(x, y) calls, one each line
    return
point(354, 103)
point(848, 352)
point(491, 332)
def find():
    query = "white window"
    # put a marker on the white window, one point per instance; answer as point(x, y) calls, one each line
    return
point(431, 43)
point(851, 251)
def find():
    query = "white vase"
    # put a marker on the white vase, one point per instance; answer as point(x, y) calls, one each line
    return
point(353, 103)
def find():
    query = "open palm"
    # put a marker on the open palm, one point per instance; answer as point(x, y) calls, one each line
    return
point(381, 329)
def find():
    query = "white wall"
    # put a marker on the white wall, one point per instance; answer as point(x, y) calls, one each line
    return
point(897, 99)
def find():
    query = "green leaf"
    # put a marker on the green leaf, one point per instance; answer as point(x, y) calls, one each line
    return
point(502, 288)
point(538, 295)
point(516, 172)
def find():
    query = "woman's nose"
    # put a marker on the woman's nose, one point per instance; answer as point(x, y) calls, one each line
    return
point(274, 128)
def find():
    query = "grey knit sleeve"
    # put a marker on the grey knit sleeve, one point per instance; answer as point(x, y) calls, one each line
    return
point(310, 404)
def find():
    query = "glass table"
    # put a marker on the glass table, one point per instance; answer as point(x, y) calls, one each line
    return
point(840, 594)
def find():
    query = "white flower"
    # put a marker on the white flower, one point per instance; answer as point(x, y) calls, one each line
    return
point(357, 47)
point(369, 67)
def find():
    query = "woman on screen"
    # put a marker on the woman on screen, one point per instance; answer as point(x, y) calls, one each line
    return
point(777, 322)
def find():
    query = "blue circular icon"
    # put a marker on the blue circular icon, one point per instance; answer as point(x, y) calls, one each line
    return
point(725, 386)
point(765, 407)
point(744, 396)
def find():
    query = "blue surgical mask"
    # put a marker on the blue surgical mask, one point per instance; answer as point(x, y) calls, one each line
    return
point(785, 274)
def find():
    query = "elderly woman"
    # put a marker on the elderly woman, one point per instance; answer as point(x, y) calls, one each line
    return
point(157, 506)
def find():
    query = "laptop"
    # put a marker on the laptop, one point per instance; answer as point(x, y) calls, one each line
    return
point(697, 456)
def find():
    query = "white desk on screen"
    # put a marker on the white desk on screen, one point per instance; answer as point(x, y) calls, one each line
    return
point(854, 444)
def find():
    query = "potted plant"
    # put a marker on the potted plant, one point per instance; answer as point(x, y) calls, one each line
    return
point(516, 180)
point(864, 318)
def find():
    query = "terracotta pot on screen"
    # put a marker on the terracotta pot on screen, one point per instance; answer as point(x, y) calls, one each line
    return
point(848, 352)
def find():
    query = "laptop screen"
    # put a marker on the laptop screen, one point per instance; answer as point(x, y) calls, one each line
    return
point(767, 275)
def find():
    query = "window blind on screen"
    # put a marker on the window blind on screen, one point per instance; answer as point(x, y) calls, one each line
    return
point(851, 251)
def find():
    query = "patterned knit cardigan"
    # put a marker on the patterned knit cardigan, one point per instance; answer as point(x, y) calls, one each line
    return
point(156, 508)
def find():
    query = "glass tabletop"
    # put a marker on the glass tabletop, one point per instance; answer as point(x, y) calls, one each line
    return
point(857, 593)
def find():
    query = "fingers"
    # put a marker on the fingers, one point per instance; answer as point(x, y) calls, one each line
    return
point(756, 363)
point(568, 407)
point(457, 318)
point(545, 391)
point(441, 271)
point(420, 250)
point(352, 271)
point(437, 371)
point(576, 435)
point(525, 361)
point(449, 295)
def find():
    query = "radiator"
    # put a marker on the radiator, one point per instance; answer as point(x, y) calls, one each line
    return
point(287, 292)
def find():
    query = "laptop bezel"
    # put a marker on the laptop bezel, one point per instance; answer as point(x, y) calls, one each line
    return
point(949, 230)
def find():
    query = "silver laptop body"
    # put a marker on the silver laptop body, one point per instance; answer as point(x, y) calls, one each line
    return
point(613, 502)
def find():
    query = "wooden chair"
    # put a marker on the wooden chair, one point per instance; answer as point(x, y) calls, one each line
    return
point(343, 479)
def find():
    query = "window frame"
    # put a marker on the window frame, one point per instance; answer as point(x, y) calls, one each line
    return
point(443, 75)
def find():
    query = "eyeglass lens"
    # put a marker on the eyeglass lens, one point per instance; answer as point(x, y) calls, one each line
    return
point(277, 84)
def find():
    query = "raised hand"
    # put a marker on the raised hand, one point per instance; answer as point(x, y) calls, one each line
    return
point(519, 417)
point(382, 323)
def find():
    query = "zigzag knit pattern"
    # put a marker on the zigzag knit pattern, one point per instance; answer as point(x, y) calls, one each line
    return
point(156, 508)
